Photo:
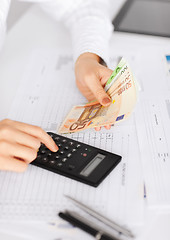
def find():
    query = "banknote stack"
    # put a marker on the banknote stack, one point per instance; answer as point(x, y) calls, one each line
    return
point(122, 89)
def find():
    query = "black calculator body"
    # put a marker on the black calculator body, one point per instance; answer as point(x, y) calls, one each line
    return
point(77, 160)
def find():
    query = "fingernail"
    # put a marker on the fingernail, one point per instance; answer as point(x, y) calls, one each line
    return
point(56, 148)
point(106, 101)
point(97, 128)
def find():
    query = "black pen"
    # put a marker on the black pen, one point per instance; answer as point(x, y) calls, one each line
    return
point(91, 228)
point(102, 218)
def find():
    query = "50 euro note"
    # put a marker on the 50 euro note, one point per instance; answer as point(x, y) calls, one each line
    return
point(122, 89)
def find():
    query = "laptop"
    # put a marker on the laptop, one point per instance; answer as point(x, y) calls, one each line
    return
point(144, 17)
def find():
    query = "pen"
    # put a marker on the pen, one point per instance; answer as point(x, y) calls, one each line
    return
point(144, 191)
point(102, 218)
point(80, 222)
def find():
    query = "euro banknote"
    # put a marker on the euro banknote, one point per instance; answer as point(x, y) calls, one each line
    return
point(122, 89)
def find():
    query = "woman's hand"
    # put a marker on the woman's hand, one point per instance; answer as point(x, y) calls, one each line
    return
point(19, 143)
point(91, 78)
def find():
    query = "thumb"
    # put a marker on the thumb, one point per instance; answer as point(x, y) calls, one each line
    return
point(98, 91)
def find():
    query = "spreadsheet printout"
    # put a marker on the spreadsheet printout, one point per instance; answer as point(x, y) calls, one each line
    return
point(46, 94)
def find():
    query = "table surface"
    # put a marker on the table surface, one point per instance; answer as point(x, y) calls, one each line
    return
point(45, 32)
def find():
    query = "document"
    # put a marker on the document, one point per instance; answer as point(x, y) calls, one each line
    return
point(153, 127)
point(46, 94)
point(168, 64)
point(152, 115)
point(152, 74)
point(40, 230)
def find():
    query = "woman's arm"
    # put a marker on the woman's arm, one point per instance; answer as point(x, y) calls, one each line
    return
point(89, 23)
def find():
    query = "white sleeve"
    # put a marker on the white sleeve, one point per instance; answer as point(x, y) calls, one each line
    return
point(89, 23)
point(4, 8)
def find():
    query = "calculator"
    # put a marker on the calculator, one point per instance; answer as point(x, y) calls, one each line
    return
point(77, 160)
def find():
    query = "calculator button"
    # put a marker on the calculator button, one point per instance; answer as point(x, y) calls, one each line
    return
point(52, 162)
point(78, 145)
point(59, 144)
point(69, 155)
point(71, 167)
point(64, 140)
point(64, 159)
point(44, 159)
point(61, 152)
point(59, 164)
point(71, 143)
point(56, 138)
point(39, 157)
point(49, 154)
point(42, 151)
point(66, 148)
point(74, 150)
point(57, 156)
point(51, 134)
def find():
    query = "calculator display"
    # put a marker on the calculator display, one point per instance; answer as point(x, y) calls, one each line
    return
point(92, 165)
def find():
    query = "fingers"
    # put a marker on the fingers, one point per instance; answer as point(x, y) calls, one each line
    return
point(108, 127)
point(17, 151)
point(98, 91)
point(99, 128)
point(20, 137)
point(105, 74)
point(19, 143)
point(91, 77)
point(12, 164)
point(36, 132)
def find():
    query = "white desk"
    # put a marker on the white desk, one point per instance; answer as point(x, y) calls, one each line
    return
point(36, 30)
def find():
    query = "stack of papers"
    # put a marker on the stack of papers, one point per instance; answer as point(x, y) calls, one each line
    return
point(44, 99)
point(141, 179)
